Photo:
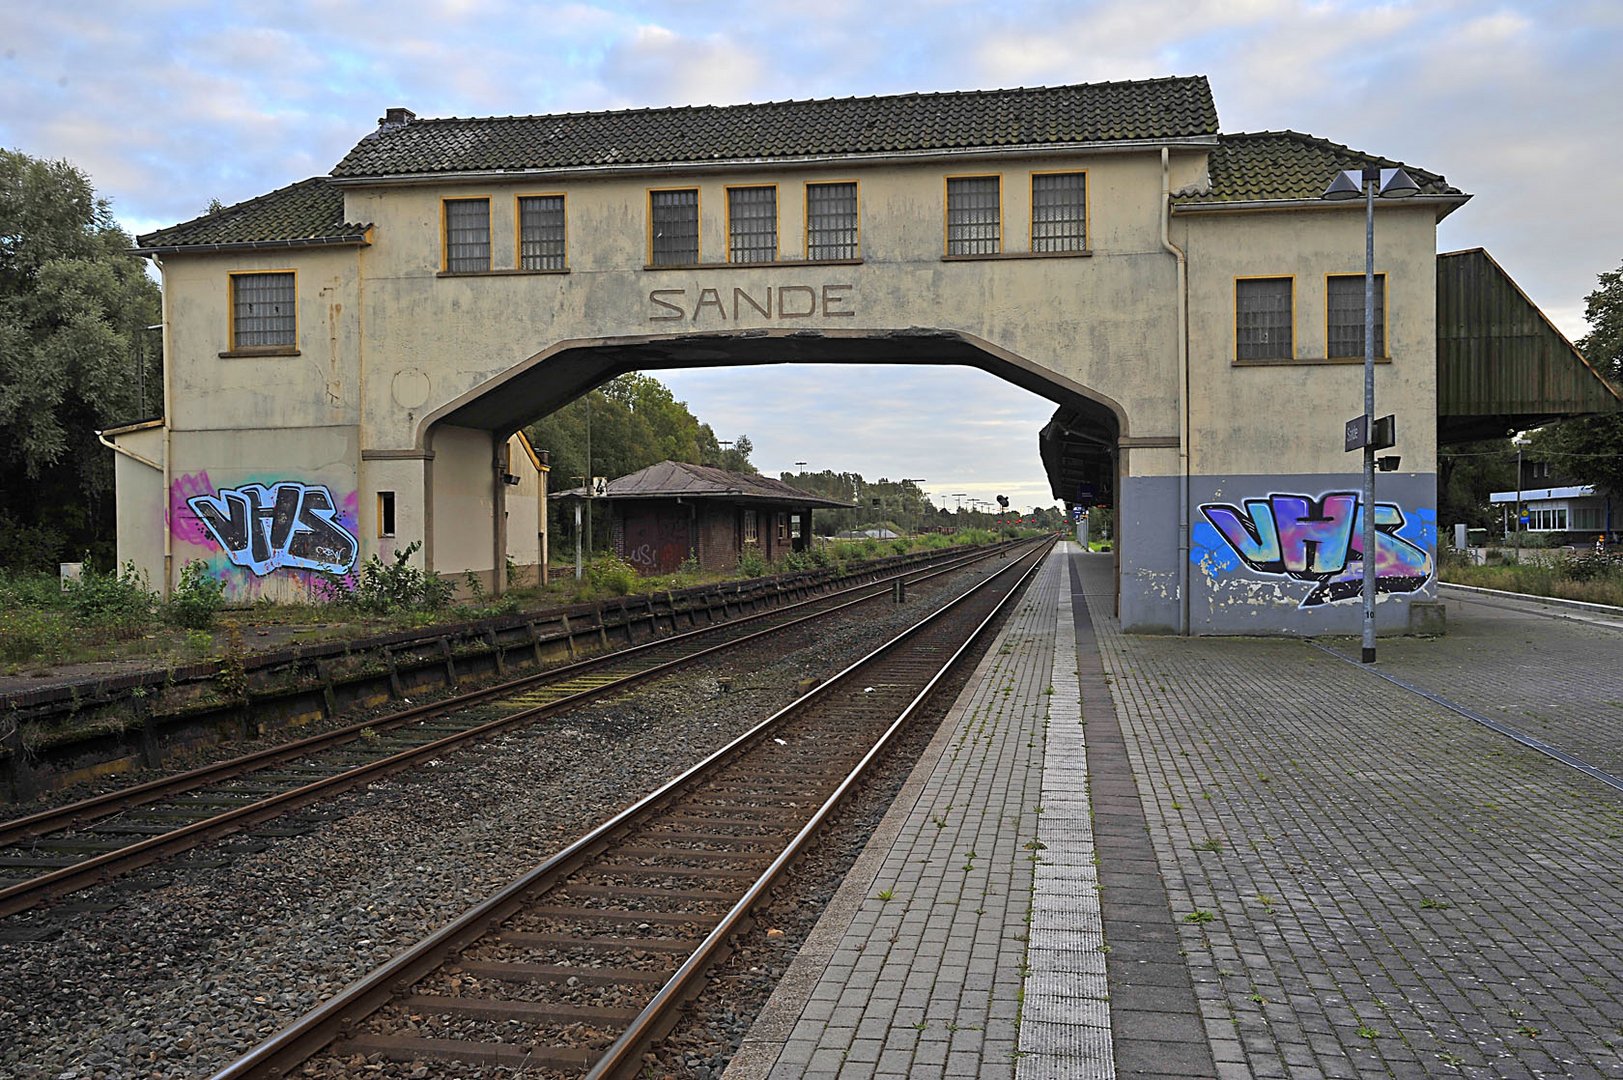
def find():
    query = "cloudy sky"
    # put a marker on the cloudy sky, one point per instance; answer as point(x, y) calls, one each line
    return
point(170, 103)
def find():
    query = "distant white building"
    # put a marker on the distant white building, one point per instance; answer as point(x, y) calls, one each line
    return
point(1579, 508)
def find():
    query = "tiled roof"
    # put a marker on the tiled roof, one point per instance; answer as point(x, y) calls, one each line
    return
point(307, 213)
point(672, 478)
point(1169, 108)
point(1274, 165)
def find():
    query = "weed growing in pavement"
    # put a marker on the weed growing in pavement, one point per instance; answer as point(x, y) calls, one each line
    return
point(1430, 904)
point(1200, 917)
point(1451, 1059)
point(1258, 998)
point(1211, 843)
point(197, 600)
point(1267, 902)
point(885, 895)
point(1367, 1032)
point(1527, 1030)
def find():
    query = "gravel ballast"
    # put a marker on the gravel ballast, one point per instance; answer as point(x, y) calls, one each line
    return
point(180, 968)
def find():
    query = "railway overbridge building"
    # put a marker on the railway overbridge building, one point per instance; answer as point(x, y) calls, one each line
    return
point(348, 358)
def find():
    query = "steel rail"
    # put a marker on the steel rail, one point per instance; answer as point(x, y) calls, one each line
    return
point(317, 1028)
point(657, 1017)
point(101, 868)
point(86, 811)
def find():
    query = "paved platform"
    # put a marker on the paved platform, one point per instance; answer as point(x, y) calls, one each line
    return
point(1162, 857)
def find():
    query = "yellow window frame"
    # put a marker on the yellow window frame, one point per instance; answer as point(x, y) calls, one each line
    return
point(946, 206)
point(805, 208)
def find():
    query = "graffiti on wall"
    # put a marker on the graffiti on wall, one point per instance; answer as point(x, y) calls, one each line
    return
point(284, 525)
point(1319, 541)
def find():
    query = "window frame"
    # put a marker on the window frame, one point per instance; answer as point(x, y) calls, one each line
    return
point(946, 216)
point(698, 225)
point(777, 219)
point(518, 231)
point(233, 348)
point(1383, 342)
point(856, 219)
point(1290, 350)
point(445, 234)
point(387, 522)
point(1087, 213)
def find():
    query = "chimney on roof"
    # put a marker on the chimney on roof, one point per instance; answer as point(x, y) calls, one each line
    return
point(395, 118)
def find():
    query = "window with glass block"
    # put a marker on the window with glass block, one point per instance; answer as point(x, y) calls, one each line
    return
point(674, 227)
point(1345, 302)
point(1262, 322)
point(467, 235)
point(752, 224)
point(1059, 214)
point(262, 311)
point(831, 221)
point(541, 232)
point(974, 225)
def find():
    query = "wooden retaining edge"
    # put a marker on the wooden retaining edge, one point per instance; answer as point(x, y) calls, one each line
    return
point(141, 719)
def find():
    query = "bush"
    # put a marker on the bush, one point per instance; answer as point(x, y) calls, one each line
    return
point(120, 603)
point(383, 589)
point(1592, 566)
point(198, 599)
point(31, 634)
point(751, 563)
point(613, 575)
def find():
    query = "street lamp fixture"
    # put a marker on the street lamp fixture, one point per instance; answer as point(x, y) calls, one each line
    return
point(1388, 184)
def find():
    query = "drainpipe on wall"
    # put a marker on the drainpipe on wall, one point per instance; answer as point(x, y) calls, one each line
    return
point(168, 442)
point(498, 476)
point(1183, 391)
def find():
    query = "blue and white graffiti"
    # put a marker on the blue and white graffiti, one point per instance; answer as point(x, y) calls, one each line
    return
point(288, 525)
point(1317, 540)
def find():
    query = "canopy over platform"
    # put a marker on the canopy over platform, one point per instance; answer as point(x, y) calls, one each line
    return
point(1502, 366)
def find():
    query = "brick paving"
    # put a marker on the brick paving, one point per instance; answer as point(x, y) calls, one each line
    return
point(1302, 870)
point(928, 981)
point(1392, 890)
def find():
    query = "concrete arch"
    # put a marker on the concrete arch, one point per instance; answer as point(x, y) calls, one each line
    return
point(565, 370)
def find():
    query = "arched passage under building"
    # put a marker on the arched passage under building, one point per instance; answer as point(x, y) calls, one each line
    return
point(462, 440)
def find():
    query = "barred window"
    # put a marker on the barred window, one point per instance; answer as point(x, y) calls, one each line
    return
point(974, 206)
point(673, 218)
point(831, 221)
point(752, 224)
point(541, 232)
point(1059, 212)
point(1344, 302)
point(1262, 319)
point(467, 235)
point(262, 311)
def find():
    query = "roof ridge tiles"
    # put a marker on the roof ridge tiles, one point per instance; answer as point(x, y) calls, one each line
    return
point(900, 96)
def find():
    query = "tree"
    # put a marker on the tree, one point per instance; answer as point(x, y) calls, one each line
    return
point(1590, 450)
point(635, 422)
point(74, 306)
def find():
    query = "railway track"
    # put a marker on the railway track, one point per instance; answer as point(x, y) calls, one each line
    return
point(579, 965)
point(56, 852)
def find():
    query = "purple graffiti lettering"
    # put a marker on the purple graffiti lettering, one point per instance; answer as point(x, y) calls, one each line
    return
point(289, 525)
point(1321, 540)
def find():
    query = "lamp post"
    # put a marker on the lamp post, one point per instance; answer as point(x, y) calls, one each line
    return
point(1389, 184)
point(1518, 442)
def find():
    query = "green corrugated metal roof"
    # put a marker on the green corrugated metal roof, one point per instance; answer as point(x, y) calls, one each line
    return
point(1502, 366)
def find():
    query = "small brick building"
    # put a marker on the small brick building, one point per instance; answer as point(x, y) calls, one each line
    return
point(663, 514)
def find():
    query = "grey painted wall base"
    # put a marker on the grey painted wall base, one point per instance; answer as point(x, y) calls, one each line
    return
point(1275, 554)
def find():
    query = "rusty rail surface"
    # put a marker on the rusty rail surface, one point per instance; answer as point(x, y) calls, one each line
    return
point(593, 951)
point(80, 845)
